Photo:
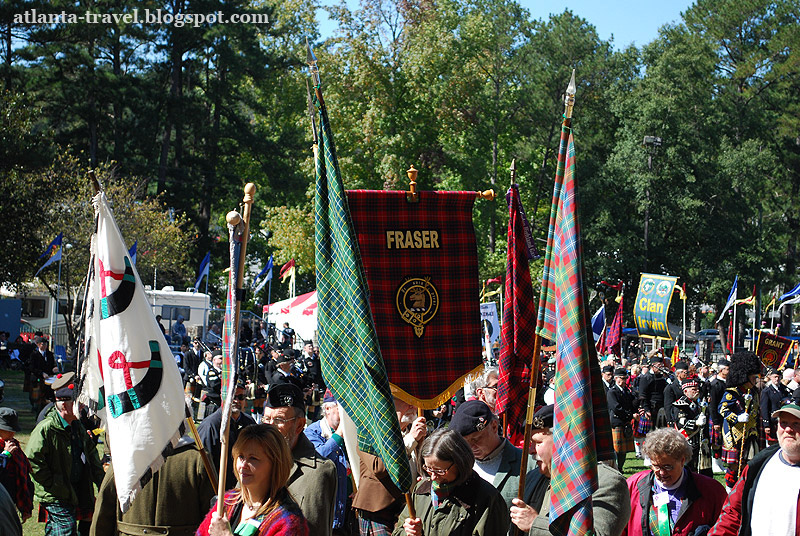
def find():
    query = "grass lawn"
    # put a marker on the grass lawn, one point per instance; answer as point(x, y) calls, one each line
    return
point(18, 400)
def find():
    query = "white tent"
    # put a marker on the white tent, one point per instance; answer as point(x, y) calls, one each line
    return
point(300, 312)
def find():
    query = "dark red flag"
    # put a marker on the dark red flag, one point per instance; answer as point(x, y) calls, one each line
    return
point(615, 333)
point(519, 322)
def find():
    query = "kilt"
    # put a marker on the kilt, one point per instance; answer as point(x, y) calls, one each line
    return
point(730, 455)
point(373, 528)
point(621, 443)
point(715, 437)
point(643, 425)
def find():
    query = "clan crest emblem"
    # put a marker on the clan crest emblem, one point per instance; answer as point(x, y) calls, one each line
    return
point(417, 302)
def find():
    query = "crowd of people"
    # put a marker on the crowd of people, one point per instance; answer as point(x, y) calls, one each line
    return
point(288, 471)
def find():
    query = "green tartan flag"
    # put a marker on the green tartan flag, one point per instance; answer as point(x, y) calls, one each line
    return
point(349, 351)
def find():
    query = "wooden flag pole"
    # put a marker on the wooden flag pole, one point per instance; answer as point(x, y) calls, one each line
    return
point(534, 381)
point(234, 218)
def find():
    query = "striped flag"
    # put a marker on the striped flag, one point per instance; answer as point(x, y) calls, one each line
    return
point(519, 322)
point(263, 277)
point(675, 355)
point(350, 354)
point(128, 375)
point(581, 432)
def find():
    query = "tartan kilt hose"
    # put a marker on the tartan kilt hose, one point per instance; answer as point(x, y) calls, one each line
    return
point(642, 426)
point(621, 443)
point(715, 437)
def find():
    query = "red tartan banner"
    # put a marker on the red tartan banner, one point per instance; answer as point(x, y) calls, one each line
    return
point(421, 263)
point(772, 350)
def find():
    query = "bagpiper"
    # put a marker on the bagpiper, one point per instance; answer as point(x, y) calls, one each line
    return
point(739, 411)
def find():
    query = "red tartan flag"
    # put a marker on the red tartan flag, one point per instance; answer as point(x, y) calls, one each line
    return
point(613, 343)
point(497, 280)
point(421, 263)
point(519, 322)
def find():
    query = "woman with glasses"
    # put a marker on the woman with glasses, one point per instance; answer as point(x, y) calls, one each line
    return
point(453, 500)
point(670, 499)
point(262, 505)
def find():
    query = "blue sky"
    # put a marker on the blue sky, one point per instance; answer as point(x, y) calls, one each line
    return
point(628, 21)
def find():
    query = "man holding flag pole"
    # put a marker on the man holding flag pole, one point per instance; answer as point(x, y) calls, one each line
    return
point(576, 432)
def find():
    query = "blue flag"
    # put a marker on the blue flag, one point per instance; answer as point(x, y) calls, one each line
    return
point(792, 293)
point(258, 282)
point(599, 323)
point(132, 253)
point(56, 243)
point(205, 264)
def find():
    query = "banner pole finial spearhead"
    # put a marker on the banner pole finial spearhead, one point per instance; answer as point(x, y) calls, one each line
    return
point(569, 99)
point(513, 171)
point(311, 60)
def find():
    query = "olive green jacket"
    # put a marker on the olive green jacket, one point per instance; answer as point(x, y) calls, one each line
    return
point(49, 452)
point(312, 484)
point(173, 502)
point(475, 508)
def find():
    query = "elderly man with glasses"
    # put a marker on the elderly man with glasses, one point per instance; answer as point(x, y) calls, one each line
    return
point(312, 480)
point(766, 499)
point(497, 461)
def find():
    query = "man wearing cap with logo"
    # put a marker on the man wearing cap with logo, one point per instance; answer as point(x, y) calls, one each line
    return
point(209, 431)
point(496, 460)
point(15, 469)
point(715, 392)
point(326, 436)
point(283, 367)
point(65, 465)
point(691, 421)
point(312, 480)
point(610, 503)
point(766, 499)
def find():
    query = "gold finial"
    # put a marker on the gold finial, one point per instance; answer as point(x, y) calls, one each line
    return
point(233, 217)
point(569, 99)
point(412, 185)
point(488, 195)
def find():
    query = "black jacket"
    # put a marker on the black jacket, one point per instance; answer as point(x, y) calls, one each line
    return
point(715, 391)
point(651, 393)
point(620, 405)
point(672, 393)
point(772, 398)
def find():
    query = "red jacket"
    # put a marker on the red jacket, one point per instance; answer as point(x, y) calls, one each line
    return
point(735, 518)
point(705, 495)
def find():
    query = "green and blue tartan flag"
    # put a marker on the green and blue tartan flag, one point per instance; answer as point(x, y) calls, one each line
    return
point(581, 431)
point(349, 351)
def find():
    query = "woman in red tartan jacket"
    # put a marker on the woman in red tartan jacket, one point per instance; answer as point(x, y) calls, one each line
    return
point(262, 506)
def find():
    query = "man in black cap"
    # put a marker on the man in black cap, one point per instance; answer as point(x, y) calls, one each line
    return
point(691, 421)
point(608, 377)
point(611, 503)
point(209, 431)
point(673, 391)
point(283, 367)
point(15, 469)
point(496, 460)
point(773, 396)
point(651, 392)
point(65, 465)
point(312, 481)
point(620, 406)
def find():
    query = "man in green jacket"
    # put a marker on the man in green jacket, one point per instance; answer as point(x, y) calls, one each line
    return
point(65, 465)
point(312, 480)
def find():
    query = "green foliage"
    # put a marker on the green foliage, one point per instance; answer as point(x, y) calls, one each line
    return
point(457, 88)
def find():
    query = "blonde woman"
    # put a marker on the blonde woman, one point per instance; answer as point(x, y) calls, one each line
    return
point(261, 506)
